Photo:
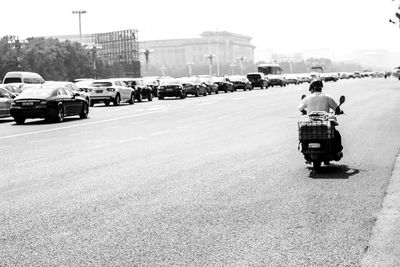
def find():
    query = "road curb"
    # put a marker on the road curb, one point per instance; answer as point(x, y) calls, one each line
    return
point(384, 246)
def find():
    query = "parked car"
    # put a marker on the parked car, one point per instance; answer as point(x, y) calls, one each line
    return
point(73, 87)
point(276, 80)
point(52, 102)
point(153, 83)
point(240, 82)
point(357, 74)
point(171, 88)
point(23, 77)
point(344, 75)
point(207, 80)
point(330, 77)
point(142, 91)
point(291, 79)
point(258, 79)
point(110, 90)
point(305, 78)
point(193, 86)
point(224, 84)
point(6, 97)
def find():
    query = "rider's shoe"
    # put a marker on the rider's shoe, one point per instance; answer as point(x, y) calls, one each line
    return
point(339, 155)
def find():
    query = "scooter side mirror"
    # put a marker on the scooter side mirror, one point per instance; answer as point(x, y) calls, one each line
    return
point(303, 96)
point(342, 99)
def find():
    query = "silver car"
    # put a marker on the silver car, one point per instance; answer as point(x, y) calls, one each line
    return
point(110, 90)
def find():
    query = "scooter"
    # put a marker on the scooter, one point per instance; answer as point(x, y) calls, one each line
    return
point(316, 137)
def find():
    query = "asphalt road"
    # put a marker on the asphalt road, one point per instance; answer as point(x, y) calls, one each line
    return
point(207, 181)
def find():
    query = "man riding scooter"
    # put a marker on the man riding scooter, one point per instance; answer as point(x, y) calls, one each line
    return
point(318, 101)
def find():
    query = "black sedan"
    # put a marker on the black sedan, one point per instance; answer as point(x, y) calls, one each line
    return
point(224, 84)
point(49, 102)
point(240, 82)
point(171, 88)
point(193, 86)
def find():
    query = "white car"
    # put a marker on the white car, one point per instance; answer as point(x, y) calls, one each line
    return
point(110, 90)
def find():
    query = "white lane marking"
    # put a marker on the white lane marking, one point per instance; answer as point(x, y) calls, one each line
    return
point(160, 133)
point(78, 125)
point(42, 140)
point(22, 163)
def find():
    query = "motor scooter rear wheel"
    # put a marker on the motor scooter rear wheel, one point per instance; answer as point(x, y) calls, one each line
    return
point(317, 166)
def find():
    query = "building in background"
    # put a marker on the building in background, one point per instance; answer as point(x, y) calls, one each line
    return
point(120, 47)
point(294, 58)
point(226, 48)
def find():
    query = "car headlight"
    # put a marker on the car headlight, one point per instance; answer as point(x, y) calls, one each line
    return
point(111, 89)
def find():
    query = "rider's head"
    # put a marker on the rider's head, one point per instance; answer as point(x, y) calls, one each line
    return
point(316, 86)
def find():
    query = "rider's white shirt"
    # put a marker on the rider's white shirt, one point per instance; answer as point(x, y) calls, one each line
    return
point(317, 101)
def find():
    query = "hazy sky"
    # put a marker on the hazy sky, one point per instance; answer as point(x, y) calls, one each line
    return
point(275, 25)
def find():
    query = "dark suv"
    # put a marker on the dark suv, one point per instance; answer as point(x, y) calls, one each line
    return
point(258, 79)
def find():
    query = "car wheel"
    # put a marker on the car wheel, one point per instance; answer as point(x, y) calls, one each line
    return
point(132, 99)
point(160, 97)
point(91, 103)
point(107, 102)
point(117, 100)
point(19, 120)
point(139, 97)
point(197, 93)
point(205, 93)
point(150, 96)
point(84, 112)
point(183, 95)
point(60, 114)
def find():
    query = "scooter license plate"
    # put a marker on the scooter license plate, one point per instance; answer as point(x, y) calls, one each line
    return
point(314, 145)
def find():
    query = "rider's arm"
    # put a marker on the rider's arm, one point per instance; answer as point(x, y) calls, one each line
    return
point(303, 105)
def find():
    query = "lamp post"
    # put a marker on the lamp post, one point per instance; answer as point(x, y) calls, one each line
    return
point(93, 49)
point(146, 54)
point(79, 12)
point(17, 44)
point(189, 64)
point(241, 60)
point(210, 58)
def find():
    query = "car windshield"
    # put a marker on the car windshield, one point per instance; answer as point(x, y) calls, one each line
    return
point(101, 84)
point(37, 92)
point(168, 82)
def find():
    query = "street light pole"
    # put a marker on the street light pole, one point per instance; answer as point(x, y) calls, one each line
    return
point(79, 12)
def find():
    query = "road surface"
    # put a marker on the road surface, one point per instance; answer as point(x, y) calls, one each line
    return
point(214, 180)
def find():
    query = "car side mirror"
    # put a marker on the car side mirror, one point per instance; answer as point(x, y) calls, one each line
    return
point(342, 99)
point(303, 96)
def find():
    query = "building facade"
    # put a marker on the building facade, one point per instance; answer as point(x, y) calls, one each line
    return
point(224, 47)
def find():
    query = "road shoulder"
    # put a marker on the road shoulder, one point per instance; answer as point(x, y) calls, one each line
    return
point(384, 246)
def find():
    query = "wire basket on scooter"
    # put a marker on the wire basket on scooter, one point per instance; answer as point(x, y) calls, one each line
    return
point(311, 130)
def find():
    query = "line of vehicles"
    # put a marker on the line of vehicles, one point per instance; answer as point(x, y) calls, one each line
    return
point(26, 95)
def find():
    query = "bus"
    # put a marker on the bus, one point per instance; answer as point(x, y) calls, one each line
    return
point(319, 69)
point(270, 69)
